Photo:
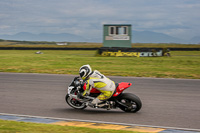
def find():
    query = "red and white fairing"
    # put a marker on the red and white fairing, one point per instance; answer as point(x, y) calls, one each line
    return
point(120, 88)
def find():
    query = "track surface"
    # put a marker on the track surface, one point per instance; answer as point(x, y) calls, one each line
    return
point(166, 102)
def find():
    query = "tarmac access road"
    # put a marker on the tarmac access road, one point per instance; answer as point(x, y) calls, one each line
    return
point(166, 102)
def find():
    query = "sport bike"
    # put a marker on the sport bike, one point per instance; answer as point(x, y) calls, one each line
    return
point(127, 102)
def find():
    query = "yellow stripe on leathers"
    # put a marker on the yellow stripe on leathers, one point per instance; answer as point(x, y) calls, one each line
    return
point(105, 95)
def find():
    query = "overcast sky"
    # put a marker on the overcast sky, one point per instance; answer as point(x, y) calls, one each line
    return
point(178, 18)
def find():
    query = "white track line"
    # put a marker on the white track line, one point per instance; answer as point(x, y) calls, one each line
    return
point(125, 124)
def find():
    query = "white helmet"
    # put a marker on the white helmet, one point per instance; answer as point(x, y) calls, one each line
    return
point(85, 71)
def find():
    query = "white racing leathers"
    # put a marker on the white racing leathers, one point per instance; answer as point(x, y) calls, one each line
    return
point(101, 83)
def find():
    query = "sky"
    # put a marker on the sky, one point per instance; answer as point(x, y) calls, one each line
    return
point(177, 18)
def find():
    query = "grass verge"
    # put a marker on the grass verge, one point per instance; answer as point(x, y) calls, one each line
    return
point(26, 127)
point(44, 44)
point(182, 64)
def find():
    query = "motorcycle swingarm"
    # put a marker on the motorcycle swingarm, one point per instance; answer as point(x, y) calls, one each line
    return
point(121, 104)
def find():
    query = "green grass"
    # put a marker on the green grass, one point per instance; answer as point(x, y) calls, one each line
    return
point(25, 127)
point(182, 64)
point(14, 43)
point(30, 44)
point(164, 45)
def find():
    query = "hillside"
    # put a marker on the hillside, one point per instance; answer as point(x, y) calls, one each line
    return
point(137, 37)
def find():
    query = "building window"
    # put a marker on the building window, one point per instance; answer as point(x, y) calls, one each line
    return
point(112, 30)
point(118, 30)
point(125, 30)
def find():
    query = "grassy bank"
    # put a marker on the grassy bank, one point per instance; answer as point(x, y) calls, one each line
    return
point(181, 65)
point(31, 44)
point(9, 43)
point(23, 127)
point(164, 45)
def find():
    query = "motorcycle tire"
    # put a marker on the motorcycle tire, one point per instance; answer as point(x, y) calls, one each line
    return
point(132, 101)
point(74, 103)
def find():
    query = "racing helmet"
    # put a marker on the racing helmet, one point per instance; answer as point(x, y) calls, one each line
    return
point(85, 71)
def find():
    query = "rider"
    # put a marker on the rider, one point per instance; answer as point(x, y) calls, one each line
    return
point(94, 79)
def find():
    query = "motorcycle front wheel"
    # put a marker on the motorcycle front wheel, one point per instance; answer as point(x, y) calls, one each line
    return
point(130, 103)
point(74, 103)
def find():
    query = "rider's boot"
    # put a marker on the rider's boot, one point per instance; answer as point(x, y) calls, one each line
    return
point(96, 103)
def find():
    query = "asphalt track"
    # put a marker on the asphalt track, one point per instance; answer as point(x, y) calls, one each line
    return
point(166, 102)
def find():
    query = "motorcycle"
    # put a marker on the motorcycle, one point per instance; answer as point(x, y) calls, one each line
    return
point(125, 101)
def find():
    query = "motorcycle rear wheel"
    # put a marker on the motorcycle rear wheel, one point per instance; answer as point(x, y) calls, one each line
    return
point(74, 103)
point(132, 101)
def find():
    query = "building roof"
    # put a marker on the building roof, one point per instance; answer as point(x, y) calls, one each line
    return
point(117, 24)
